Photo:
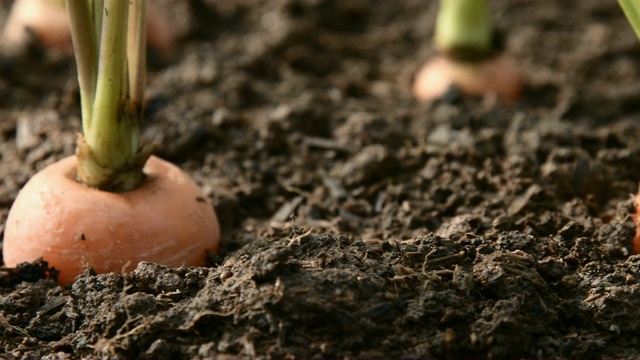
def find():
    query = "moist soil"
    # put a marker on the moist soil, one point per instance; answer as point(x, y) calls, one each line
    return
point(358, 223)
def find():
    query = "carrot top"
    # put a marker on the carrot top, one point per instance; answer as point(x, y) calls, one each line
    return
point(464, 30)
point(631, 9)
point(109, 46)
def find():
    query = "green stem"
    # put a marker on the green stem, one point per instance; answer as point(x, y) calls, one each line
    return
point(109, 125)
point(464, 30)
point(85, 47)
point(97, 11)
point(631, 9)
point(109, 156)
point(137, 55)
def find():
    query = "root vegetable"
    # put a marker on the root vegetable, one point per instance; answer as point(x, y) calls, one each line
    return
point(112, 205)
point(497, 75)
point(635, 246)
point(469, 56)
point(47, 22)
point(166, 220)
point(631, 9)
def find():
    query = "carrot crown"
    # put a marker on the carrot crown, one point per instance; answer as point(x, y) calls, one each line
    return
point(464, 30)
point(109, 46)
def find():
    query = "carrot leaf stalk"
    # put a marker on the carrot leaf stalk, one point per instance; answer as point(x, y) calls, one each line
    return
point(631, 9)
point(464, 30)
point(111, 73)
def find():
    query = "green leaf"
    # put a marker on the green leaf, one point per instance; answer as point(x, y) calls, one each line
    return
point(631, 9)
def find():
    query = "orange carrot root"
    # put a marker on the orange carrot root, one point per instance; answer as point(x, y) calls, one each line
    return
point(160, 33)
point(497, 75)
point(71, 226)
point(636, 219)
point(49, 24)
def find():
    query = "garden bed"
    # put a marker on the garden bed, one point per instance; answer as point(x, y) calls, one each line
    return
point(358, 223)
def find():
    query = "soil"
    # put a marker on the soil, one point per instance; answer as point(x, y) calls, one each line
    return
point(357, 222)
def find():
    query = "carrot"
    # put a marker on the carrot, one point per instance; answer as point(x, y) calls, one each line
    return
point(635, 246)
point(631, 9)
point(47, 22)
point(111, 205)
point(166, 220)
point(498, 76)
point(468, 56)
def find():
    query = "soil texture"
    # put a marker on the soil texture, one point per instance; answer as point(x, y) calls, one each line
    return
point(357, 222)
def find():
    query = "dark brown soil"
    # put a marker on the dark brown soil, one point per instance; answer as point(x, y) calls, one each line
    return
point(358, 223)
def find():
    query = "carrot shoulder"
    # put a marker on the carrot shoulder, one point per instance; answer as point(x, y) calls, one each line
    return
point(469, 56)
